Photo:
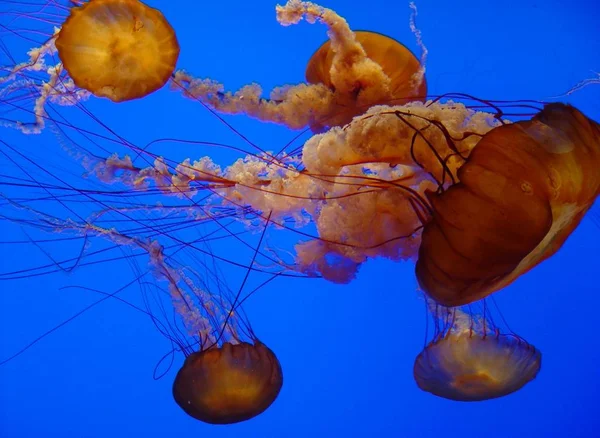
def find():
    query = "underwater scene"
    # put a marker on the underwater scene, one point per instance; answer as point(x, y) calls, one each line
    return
point(299, 219)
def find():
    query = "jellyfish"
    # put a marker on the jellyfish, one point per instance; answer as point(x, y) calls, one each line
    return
point(360, 189)
point(369, 186)
point(119, 49)
point(362, 185)
point(233, 377)
point(131, 53)
point(522, 191)
point(228, 375)
point(347, 75)
point(353, 95)
point(228, 384)
point(469, 359)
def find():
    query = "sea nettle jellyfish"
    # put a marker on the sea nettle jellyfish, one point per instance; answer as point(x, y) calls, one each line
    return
point(229, 383)
point(373, 185)
point(375, 181)
point(228, 375)
point(347, 75)
point(470, 359)
point(233, 376)
point(475, 242)
point(119, 49)
point(521, 193)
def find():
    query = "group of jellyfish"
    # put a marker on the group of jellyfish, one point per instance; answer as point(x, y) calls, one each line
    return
point(474, 199)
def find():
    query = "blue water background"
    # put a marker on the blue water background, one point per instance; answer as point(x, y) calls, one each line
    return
point(346, 350)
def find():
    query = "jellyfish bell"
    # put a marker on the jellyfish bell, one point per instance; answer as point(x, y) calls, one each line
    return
point(470, 360)
point(474, 367)
point(523, 190)
point(398, 63)
point(228, 384)
point(119, 49)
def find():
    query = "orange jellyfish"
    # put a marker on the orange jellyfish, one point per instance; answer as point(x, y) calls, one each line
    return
point(522, 191)
point(470, 360)
point(119, 49)
point(346, 76)
point(228, 384)
point(364, 184)
point(233, 377)
point(354, 92)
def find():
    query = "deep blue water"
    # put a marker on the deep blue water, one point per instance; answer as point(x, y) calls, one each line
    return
point(347, 351)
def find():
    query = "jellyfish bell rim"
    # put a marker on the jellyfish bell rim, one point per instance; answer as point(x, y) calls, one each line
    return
point(439, 381)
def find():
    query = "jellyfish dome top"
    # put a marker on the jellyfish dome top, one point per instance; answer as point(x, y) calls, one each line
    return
point(522, 191)
point(470, 361)
point(119, 49)
point(228, 384)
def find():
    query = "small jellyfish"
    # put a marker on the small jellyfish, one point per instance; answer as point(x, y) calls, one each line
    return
point(472, 361)
point(232, 376)
point(228, 384)
point(522, 191)
point(119, 49)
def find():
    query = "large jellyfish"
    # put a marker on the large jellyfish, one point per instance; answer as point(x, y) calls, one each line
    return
point(522, 191)
point(469, 359)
